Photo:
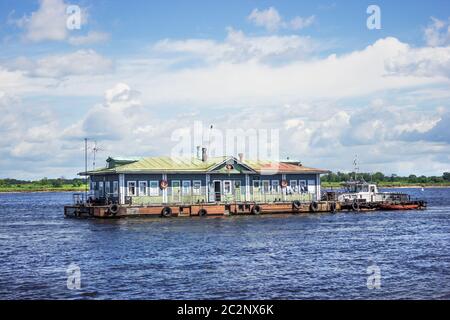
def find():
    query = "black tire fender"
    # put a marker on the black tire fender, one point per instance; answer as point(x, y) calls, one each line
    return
point(314, 206)
point(113, 209)
point(166, 212)
point(355, 205)
point(296, 204)
point(256, 209)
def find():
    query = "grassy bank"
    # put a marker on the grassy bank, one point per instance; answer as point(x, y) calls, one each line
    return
point(41, 188)
point(43, 185)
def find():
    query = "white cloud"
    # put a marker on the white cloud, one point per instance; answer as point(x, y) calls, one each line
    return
point(324, 131)
point(49, 23)
point(272, 20)
point(437, 33)
point(236, 83)
point(250, 77)
point(299, 23)
point(81, 62)
point(91, 38)
point(293, 123)
point(29, 134)
point(269, 18)
point(112, 119)
point(325, 134)
point(239, 48)
point(425, 62)
point(240, 70)
point(121, 96)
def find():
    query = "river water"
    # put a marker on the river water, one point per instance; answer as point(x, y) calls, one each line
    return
point(256, 257)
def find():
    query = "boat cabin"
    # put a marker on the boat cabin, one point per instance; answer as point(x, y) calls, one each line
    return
point(363, 191)
point(357, 187)
point(359, 190)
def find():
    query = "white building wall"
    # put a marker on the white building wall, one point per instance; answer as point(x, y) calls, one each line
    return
point(318, 195)
point(121, 188)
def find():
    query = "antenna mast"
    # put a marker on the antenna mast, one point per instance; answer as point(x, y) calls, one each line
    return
point(355, 166)
point(95, 149)
point(209, 138)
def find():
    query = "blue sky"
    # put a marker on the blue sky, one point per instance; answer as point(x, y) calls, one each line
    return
point(137, 71)
point(131, 22)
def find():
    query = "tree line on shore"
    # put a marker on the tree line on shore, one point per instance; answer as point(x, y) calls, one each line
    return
point(43, 183)
point(379, 177)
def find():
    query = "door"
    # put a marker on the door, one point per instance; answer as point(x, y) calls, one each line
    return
point(312, 189)
point(237, 190)
point(176, 191)
point(256, 190)
point(217, 191)
point(186, 191)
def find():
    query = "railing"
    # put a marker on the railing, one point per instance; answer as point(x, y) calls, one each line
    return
point(78, 198)
point(177, 196)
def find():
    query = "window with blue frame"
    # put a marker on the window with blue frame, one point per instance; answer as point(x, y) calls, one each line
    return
point(154, 188)
point(186, 188)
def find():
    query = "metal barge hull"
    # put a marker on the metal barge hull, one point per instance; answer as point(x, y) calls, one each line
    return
point(215, 209)
point(218, 209)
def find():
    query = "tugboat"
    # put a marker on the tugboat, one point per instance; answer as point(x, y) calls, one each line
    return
point(361, 195)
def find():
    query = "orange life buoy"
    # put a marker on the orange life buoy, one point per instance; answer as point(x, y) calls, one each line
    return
point(163, 184)
point(229, 167)
point(284, 183)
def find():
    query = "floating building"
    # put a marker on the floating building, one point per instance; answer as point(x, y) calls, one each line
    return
point(167, 180)
point(200, 186)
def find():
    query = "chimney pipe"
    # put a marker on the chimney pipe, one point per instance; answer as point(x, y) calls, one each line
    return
point(198, 152)
point(241, 157)
point(204, 155)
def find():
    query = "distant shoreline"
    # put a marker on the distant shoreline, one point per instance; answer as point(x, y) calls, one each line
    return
point(398, 187)
point(414, 187)
point(40, 191)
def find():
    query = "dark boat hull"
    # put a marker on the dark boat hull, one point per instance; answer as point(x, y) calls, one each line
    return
point(401, 206)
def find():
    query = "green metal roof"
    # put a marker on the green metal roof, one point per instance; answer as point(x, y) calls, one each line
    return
point(163, 164)
point(194, 165)
point(281, 166)
point(171, 164)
